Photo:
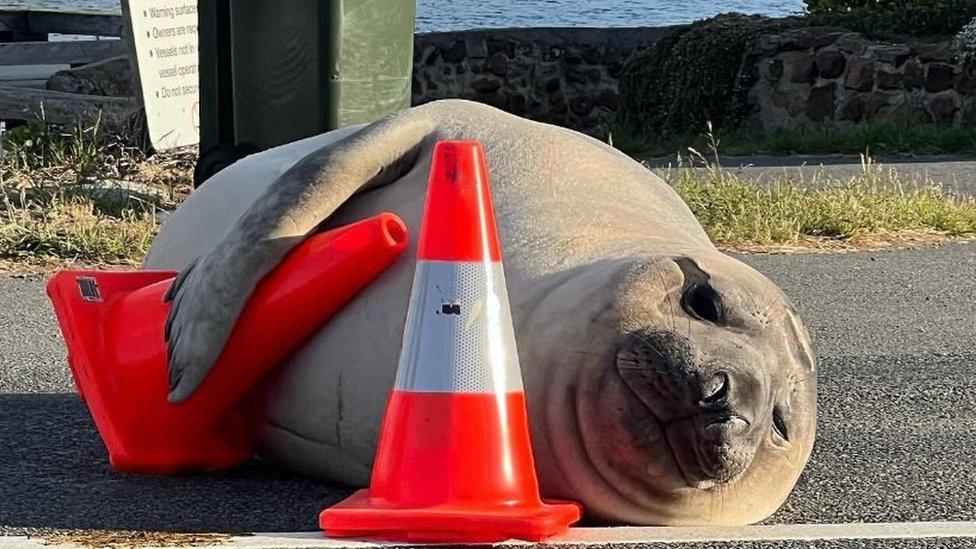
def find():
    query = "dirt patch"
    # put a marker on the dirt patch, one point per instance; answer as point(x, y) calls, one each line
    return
point(863, 243)
point(119, 539)
point(41, 267)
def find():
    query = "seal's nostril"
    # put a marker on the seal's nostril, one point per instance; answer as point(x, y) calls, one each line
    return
point(717, 389)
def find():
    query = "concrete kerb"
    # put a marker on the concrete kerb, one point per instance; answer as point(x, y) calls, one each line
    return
point(616, 536)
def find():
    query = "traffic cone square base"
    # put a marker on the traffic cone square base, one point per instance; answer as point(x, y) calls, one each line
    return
point(82, 300)
point(452, 507)
point(363, 516)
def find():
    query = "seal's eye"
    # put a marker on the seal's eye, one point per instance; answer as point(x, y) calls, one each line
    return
point(703, 302)
point(779, 423)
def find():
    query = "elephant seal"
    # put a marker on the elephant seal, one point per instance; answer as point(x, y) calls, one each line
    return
point(666, 382)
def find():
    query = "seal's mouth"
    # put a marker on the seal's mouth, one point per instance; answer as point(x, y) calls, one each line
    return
point(702, 450)
point(692, 473)
point(701, 435)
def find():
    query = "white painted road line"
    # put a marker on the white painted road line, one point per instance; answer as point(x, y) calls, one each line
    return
point(773, 532)
point(618, 535)
point(18, 542)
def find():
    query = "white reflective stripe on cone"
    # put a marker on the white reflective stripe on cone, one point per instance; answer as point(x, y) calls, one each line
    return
point(459, 336)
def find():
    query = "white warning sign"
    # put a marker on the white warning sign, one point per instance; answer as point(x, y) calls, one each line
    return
point(164, 37)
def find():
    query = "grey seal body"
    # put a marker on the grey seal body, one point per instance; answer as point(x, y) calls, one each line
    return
point(667, 383)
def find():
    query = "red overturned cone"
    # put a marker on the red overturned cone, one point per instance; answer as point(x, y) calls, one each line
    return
point(113, 326)
point(454, 461)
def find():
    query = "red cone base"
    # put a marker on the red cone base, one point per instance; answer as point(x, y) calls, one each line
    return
point(431, 437)
point(362, 516)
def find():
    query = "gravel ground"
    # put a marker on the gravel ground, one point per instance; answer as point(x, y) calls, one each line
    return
point(895, 332)
point(31, 348)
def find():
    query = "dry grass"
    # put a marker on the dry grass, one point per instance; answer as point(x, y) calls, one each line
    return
point(875, 209)
point(73, 196)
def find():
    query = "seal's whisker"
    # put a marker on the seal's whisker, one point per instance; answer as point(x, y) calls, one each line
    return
point(586, 353)
point(757, 303)
point(772, 300)
point(669, 298)
point(779, 316)
point(650, 345)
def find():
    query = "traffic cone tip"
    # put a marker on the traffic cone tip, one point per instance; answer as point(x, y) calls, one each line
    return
point(459, 219)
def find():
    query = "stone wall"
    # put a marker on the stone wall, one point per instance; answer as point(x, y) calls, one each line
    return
point(569, 77)
point(801, 77)
point(829, 76)
point(561, 76)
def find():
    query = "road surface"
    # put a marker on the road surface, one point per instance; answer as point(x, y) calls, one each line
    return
point(896, 333)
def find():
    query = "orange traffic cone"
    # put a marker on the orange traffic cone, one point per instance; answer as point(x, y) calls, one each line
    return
point(454, 461)
point(113, 326)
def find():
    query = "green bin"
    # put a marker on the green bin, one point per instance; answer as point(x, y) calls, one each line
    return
point(275, 72)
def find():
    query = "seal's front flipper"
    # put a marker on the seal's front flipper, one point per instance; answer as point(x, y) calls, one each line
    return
point(196, 329)
point(210, 296)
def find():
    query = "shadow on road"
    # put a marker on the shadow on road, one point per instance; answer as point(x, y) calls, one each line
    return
point(54, 473)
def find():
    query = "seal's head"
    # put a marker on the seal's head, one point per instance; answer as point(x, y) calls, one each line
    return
point(693, 399)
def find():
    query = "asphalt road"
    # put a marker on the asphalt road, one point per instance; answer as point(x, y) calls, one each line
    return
point(896, 333)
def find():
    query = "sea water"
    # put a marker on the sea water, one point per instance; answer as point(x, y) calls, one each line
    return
point(441, 15)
